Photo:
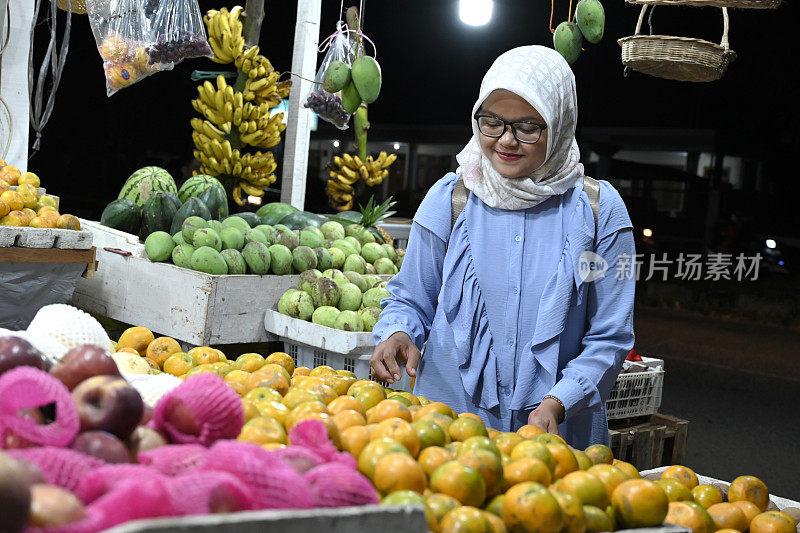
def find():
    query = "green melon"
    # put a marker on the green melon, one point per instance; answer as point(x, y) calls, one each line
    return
point(194, 186)
point(123, 215)
point(274, 212)
point(216, 201)
point(301, 219)
point(144, 182)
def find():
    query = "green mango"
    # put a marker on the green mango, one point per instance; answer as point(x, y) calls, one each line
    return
point(350, 98)
point(336, 78)
point(567, 41)
point(366, 75)
point(591, 19)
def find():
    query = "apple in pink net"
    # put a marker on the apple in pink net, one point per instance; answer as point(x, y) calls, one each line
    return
point(103, 445)
point(15, 352)
point(53, 506)
point(83, 362)
point(144, 439)
point(12, 441)
point(108, 403)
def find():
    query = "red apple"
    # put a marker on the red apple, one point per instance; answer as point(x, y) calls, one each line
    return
point(222, 499)
point(15, 495)
point(102, 445)
point(83, 362)
point(12, 441)
point(181, 418)
point(144, 439)
point(15, 352)
point(147, 415)
point(53, 506)
point(108, 403)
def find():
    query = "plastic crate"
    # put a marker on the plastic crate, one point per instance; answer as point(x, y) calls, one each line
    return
point(357, 362)
point(637, 393)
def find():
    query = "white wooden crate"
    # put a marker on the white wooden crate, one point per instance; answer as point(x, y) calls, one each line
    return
point(64, 239)
point(193, 307)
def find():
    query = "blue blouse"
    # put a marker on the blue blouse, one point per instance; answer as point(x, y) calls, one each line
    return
point(505, 312)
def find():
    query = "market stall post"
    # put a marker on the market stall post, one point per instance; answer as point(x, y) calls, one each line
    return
point(14, 79)
point(298, 128)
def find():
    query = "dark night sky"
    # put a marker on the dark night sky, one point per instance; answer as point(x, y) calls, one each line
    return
point(432, 66)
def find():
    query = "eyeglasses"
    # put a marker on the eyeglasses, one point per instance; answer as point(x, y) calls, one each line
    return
point(524, 132)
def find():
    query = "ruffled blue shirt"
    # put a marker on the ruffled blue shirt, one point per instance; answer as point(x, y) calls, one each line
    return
point(503, 310)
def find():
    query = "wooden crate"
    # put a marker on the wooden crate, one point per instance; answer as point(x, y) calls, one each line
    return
point(657, 440)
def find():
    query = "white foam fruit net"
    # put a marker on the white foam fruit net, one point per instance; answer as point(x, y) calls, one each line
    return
point(49, 346)
point(152, 388)
point(68, 326)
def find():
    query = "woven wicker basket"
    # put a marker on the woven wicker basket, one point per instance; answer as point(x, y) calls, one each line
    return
point(677, 58)
point(742, 4)
point(78, 6)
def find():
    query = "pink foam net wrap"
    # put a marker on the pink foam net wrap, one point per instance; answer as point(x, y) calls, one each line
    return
point(204, 492)
point(60, 466)
point(214, 405)
point(274, 484)
point(300, 458)
point(173, 459)
point(102, 480)
point(26, 387)
point(313, 435)
point(337, 485)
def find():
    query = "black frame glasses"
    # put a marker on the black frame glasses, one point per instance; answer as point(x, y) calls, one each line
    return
point(512, 124)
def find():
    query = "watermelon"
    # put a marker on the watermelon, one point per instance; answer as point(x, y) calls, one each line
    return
point(157, 213)
point(275, 211)
point(196, 185)
point(192, 207)
point(216, 201)
point(123, 215)
point(144, 182)
point(301, 219)
point(249, 217)
point(173, 199)
point(352, 216)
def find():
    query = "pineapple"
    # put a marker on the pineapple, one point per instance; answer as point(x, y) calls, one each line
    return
point(371, 215)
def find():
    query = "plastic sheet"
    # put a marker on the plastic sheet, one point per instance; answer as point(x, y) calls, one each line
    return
point(27, 287)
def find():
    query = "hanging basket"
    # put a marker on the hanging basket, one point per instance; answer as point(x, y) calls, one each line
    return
point(677, 58)
point(740, 4)
point(78, 6)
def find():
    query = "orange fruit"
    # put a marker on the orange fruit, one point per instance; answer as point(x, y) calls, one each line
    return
point(206, 368)
point(487, 464)
point(261, 430)
point(549, 438)
point(68, 222)
point(322, 369)
point(324, 391)
point(434, 407)
point(684, 474)
point(706, 495)
point(409, 497)
point(600, 453)
point(773, 522)
point(675, 490)
point(439, 419)
point(410, 397)
point(537, 450)
point(586, 487)
point(610, 475)
point(268, 377)
point(49, 201)
point(498, 526)
point(347, 418)
point(639, 503)
point(346, 403)
point(430, 434)
point(50, 215)
point(749, 488)
point(263, 393)
point(178, 364)
point(283, 359)
point(29, 178)
point(340, 384)
point(597, 520)
point(10, 174)
point(249, 362)
point(529, 431)
point(250, 410)
point(388, 409)
point(628, 468)
point(301, 371)
point(495, 505)
point(565, 461)
point(527, 469)
point(204, 355)
point(399, 471)
point(471, 415)
point(29, 194)
point(397, 398)
point(237, 380)
point(271, 409)
point(399, 430)
point(506, 441)
point(161, 348)
point(465, 427)
point(354, 439)
point(40, 222)
point(584, 463)
point(4, 208)
point(15, 218)
point(453, 447)
point(749, 509)
point(682, 514)
point(299, 413)
point(574, 518)
point(138, 338)
point(433, 457)
point(465, 520)
point(479, 443)
point(530, 507)
point(368, 396)
point(373, 451)
point(13, 199)
point(295, 397)
point(728, 516)
point(458, 480)
point(128, 350)
point(441, 504)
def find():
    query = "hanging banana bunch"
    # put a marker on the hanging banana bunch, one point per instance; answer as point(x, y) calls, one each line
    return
point(351, 169)
point(237, 117)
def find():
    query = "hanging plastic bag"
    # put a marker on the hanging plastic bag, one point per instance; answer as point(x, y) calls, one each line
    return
point(121, 32)
point(325, 98)
point(177, 32)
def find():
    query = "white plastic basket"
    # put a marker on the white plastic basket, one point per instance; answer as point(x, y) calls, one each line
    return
point(356, 362)
point(637, 393)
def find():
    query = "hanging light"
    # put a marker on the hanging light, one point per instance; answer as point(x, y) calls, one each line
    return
point(396, 146)
point(336, 143)
point(475, 12)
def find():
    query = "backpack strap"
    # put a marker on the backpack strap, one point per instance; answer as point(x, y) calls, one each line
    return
point(592, 188)
point(458, 201)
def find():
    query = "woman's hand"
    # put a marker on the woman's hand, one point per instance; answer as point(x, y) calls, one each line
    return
point(392, 352)
point(547, 415)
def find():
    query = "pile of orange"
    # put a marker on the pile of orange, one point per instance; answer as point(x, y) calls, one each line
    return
point(465, 476)
point(24, 207)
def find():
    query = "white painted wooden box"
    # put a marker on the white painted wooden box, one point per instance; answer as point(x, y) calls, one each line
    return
point(196, 308)
point(65, 239)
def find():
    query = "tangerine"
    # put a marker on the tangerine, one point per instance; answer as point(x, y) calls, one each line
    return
point(399, 471)
point(409, 497)
point(249, 362)
point(530, 507)
point(537, 450)
point(628, 468)
point(161, 348)
point(574, 518)
point(749, 488)
point(283, 359)
point(681, 514)
point(430, 433)
point(440, 504)
point(465, 427)
point(465, 519)
point(354, 439)
point(459, 481)
point(295, 397)
point(479, 443)
point(684, 474)
point(498, 526)
point(773, 522)
point(347, 418)
point(675, 490)
point(271, 409)
point(433, 457)
point(270, 378)
point(250, 410)
point(527, 469)
point(610, 475)
point(399, 430)
point(388, 409)
point(506, 441)
point(345, 403)
point(487, 464)
point(434, 407)
point(263, 393)
point(749, 509)
point(138, 338)
point(728, 516)
point(495, 506)
point(530, 431)
point(639, 503)
point(597, 520)
point(372, 453)
point(565, 461)
point(600, 453)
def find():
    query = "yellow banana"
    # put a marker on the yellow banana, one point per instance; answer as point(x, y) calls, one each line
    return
point(237, 195)
point(237, 116)
point(249, 189)
point(363, 172)
point(389, 160)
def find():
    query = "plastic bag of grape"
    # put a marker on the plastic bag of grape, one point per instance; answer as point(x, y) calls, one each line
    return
point(324, 99)
point(177, 31)
point(121, 31)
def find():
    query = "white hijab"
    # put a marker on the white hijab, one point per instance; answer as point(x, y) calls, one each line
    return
point(543, 78)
